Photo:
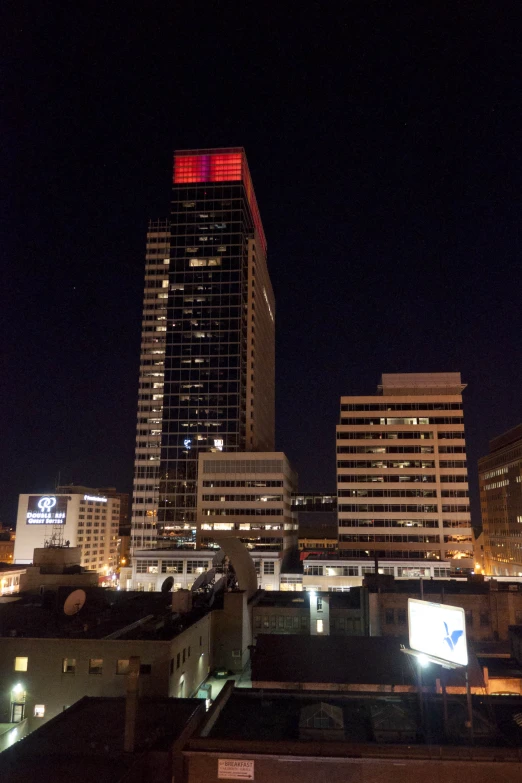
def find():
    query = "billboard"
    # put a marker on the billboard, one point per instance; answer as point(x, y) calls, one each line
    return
point(46, 509)
point(438, 630)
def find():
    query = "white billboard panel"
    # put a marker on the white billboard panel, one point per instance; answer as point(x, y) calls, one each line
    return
point(438, 630)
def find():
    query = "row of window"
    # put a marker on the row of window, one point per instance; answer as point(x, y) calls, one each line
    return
point(387, 538)
point(242, 498)
point(95, 665)
point(400, 508)
point(408, 420)
point(243, 483)
point(401, 406)
point(243, 512)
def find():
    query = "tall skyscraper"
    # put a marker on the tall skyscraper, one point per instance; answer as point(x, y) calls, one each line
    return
point(208, 358)
point(500, 478)
point(402, 480)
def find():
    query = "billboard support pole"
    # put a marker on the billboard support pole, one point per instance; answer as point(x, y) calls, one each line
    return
point(419, 689)
point(470, 706)
point(444, 700)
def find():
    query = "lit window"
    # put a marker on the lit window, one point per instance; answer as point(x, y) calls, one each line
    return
point(69, 665)
point(95, 665)
point(198, 262)
point(122, 667)
point(21, 664)
point(319, 626)
point(39, 710)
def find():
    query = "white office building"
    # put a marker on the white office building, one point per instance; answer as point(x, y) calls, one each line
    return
point(402, 479)
point(87, 521)
point(151, 567)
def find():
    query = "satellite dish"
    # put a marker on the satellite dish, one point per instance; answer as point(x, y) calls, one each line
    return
point(167, 585)
point(74, 602)
point(203, 579)
point(217, 588)
point(218, 558)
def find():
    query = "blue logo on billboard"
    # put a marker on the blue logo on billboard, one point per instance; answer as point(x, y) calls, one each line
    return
point(452, 638)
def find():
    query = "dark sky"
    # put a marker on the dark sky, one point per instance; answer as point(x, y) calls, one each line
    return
point(384, 143)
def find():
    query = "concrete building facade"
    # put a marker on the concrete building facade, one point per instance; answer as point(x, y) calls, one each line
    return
point(249, 495)
point(402, 482)
point(500, 480)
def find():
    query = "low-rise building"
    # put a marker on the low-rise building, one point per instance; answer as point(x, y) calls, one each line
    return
point(151, 567)
point(53, 653)
point(101, 739)
point(293, 736)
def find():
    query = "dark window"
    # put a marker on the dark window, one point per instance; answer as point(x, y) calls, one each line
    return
point(389, 616)
point(184, 654)
point(484, 619)
point(401, 616)
point(145, 668)
point(469, 617)
point(178, 660)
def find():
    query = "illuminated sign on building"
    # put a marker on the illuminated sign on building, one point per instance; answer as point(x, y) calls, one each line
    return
point(193, 166)
point(46, 510)
point(187, 443)
point(97, 499)
point(218, 444)
point(438, 630)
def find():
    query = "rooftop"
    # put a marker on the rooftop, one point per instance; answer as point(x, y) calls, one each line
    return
point(263, 717)
point(105, 612)
point(85, 742)
point(362, 660)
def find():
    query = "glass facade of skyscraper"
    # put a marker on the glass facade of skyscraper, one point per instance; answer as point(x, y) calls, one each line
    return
point(217, 393)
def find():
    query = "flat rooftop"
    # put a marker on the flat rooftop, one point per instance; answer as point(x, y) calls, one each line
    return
point(85, 742)
point(346, 660)
point(267, 717)
point(105, 612)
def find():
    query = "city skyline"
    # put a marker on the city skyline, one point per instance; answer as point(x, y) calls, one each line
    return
point(384, 157)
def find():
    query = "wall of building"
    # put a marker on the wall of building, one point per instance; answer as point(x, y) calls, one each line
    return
point(277, 762)
point(232, 632)
point(488, 615)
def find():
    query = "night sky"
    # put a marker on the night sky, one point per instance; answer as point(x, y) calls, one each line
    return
point(384, 141)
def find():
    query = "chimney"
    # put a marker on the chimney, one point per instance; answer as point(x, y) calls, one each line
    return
point(182, 601)
point(131, 703)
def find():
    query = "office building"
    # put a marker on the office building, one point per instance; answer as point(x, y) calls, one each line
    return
point(248, 495)
point(402, 481)
point(500, 478)
point(151, 567)
point(81, 517)
point(207, 353)
point(317, 520)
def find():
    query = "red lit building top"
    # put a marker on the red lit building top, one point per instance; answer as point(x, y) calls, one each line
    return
point(218, 165)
